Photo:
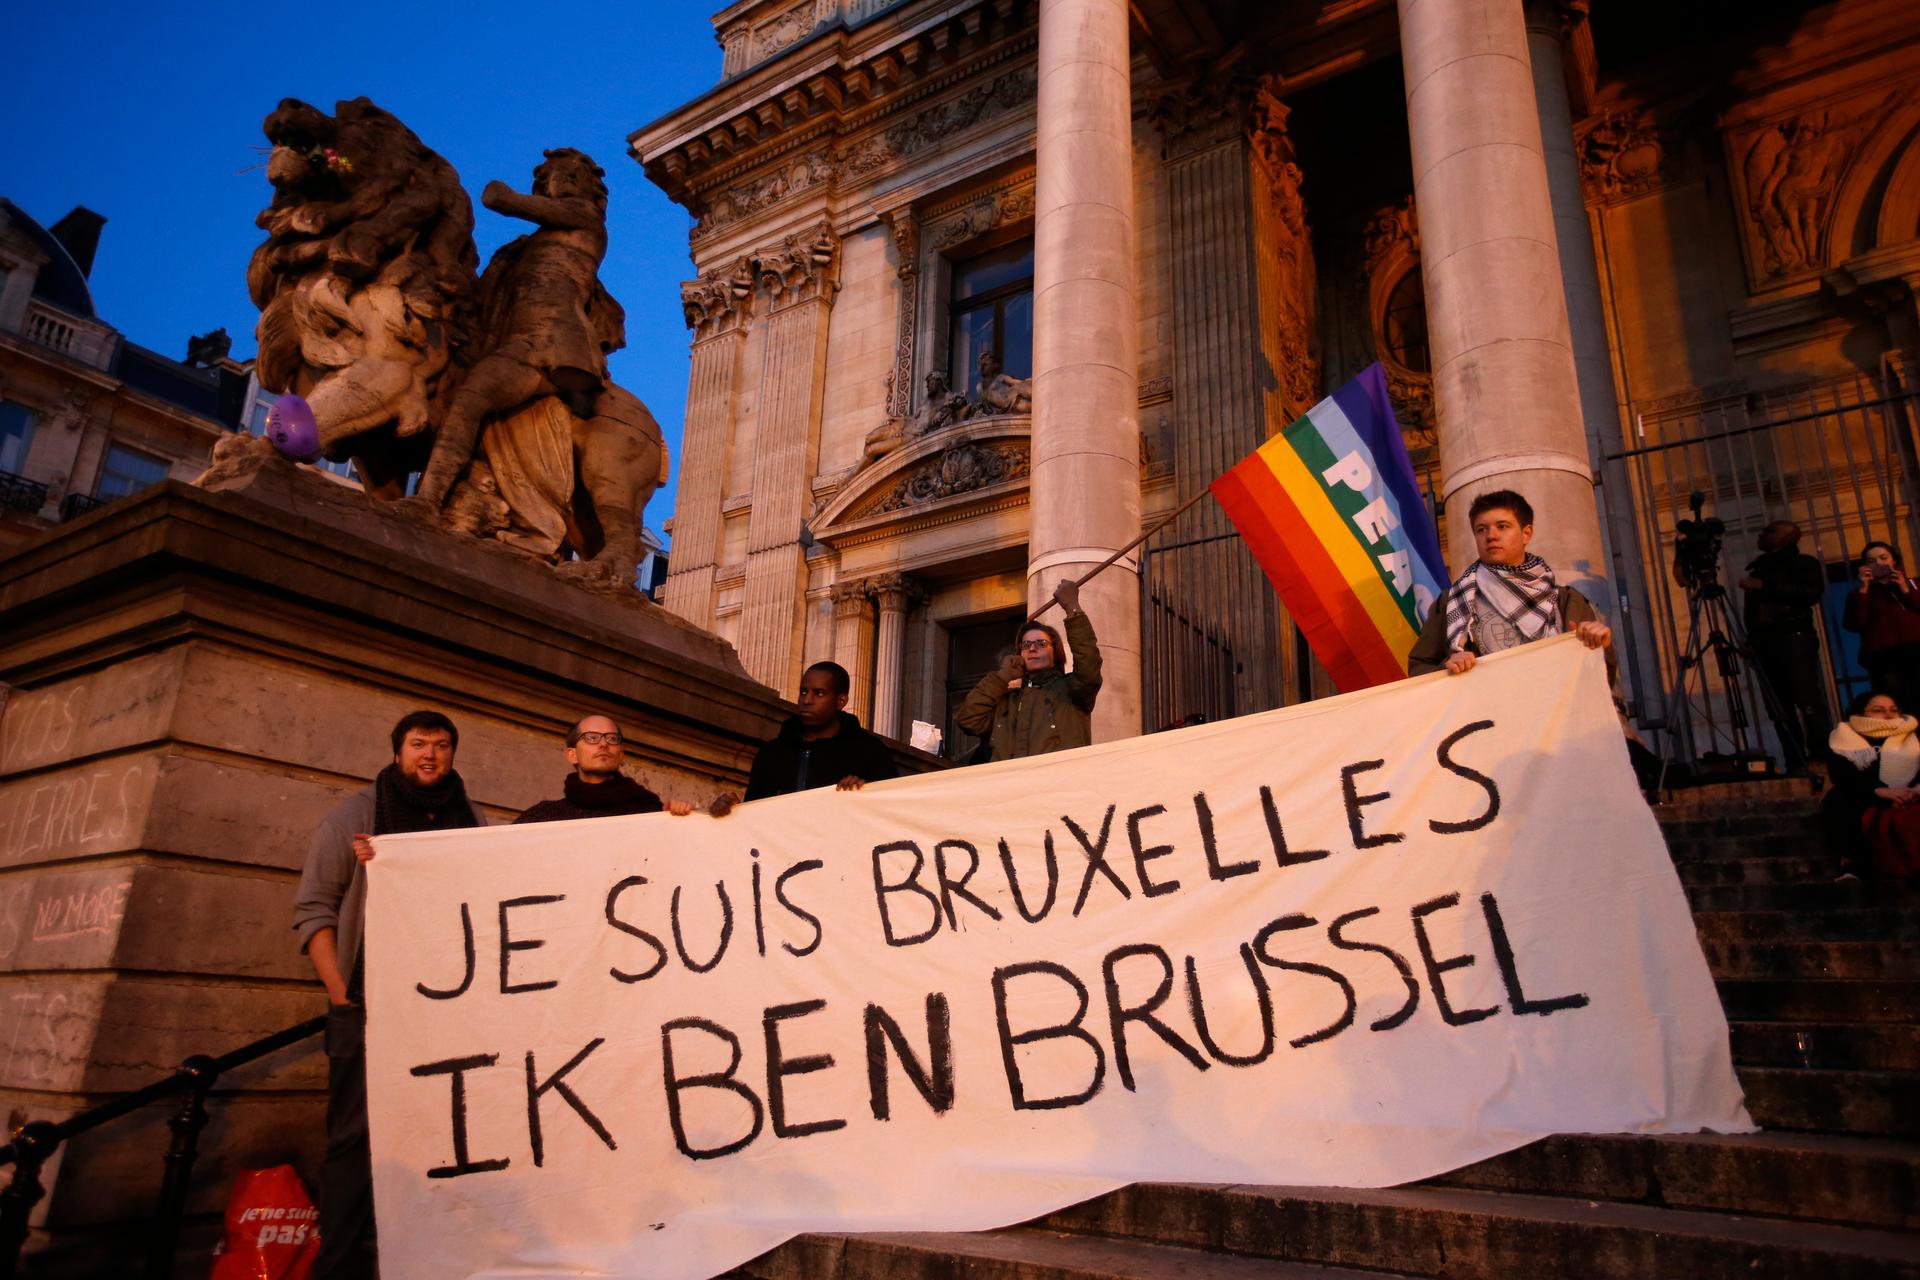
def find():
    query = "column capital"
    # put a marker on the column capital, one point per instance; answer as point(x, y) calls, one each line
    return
point(804, 267)
point(1196, 114)
point(895, 592)
point(852, 598)
point(718, 300)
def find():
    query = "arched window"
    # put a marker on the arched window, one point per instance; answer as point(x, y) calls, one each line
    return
point(1403, 324)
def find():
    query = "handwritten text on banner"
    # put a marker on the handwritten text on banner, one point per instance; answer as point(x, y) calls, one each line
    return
point(1358, 942)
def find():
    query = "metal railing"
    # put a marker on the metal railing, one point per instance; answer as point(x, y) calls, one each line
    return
point(17, 493)
point(75, 505)
point(35, 1142)
point(1837, 457)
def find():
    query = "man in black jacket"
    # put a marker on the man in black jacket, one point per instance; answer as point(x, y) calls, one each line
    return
point(1781, 588)
point(823, 746)
point(596, 788)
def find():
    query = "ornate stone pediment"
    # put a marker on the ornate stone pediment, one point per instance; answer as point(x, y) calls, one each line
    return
point(939, 473)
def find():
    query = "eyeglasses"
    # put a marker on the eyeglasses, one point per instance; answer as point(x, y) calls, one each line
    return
point(602, 739)
point(1032, 646)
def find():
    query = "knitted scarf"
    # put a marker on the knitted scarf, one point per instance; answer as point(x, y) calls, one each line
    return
point(618, 794)
point(401, 805)
point(1862, 738)
point(1524, 594)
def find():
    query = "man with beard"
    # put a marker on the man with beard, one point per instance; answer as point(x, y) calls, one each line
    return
point(419, 791)
point(823, 746)
point(596, 788)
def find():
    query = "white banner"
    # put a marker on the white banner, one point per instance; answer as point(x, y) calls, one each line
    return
point(1358, 942)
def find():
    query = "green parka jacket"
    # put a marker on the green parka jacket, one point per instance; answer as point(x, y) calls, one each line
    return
point(1051, 711)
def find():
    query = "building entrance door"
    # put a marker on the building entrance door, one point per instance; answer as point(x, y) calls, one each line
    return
point(974, 646)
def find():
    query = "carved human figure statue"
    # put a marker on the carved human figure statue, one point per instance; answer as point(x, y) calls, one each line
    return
point(1001, 392)
point(944, 406)
point(546, 323)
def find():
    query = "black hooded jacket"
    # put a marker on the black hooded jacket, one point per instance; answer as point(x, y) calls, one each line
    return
point(791, 763)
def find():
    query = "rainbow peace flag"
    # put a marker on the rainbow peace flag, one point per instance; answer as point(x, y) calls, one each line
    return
point(1330, 508)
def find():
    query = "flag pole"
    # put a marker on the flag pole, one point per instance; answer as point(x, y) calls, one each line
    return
point(1113, 559)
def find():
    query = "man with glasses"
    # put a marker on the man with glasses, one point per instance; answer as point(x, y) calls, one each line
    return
point(1032, 704)
point(596, 788)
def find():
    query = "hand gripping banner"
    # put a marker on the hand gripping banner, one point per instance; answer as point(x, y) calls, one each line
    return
point(1358, 942)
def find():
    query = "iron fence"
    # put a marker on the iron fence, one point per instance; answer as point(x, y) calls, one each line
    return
point(1837, 457)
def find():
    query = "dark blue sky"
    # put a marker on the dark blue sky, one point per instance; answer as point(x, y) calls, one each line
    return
point(148, 113)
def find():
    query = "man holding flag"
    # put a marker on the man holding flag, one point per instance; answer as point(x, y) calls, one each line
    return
point(1507, 597)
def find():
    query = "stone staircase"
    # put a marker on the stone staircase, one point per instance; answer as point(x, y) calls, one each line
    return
point(1821, 983)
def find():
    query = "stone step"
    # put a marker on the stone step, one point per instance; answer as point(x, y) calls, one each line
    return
point(1819, 895)
point(1728, 848)
point(1878, 1103)
point(1818, 1000)
point(1829, 1177)
point(1859, 1046)
point(1472, 1234)
point(1730, 797)
point(1813, 959)
point(1015, 1253)
point(1794, 870)
point(1859, 925)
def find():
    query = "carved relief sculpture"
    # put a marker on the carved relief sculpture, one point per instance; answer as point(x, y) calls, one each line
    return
point(1792, 171)
point(1621, 155)
point(961, 469)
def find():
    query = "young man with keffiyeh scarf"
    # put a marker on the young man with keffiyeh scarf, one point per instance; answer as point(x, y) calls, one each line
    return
point(419, 791)
point(1507, 597)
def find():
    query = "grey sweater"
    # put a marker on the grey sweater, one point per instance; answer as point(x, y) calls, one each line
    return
point(333, 885)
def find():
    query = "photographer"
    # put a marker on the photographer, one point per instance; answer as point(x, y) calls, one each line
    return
point(1885, 612)
point(1781, 588)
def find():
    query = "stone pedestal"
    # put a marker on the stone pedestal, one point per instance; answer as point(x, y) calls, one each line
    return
point(196, 679)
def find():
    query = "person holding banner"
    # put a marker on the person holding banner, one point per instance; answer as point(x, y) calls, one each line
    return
point(1507, 597)
point(823, 746)
point(419, 791)
point(596, 788)
point(1032, 704)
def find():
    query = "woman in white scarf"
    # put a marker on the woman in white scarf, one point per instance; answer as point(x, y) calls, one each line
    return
point(1875, 762)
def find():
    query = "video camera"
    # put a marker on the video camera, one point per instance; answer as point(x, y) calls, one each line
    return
point(1696, 548)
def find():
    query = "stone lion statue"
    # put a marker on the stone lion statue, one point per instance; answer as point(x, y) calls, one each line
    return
point(366, 282)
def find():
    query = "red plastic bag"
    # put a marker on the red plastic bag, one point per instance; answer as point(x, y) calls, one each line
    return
point(273, 1230)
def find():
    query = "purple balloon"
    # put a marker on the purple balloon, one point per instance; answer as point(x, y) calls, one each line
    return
point(291, 428)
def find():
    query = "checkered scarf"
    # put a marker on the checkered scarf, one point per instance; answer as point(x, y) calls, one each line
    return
point(1523, 594)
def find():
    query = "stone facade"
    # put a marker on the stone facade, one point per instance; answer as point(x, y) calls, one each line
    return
point(1549, 227)
point(85, 415)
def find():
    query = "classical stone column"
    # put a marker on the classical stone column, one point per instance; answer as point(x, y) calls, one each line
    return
point(1086, 437)
point(895, 594)
point(799, 281)
point(1547, 22)
point(1507, 396)
point(716, 307)
point(853, 640)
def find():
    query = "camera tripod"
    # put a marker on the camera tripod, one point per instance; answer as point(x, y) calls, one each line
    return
point(1713, 626)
